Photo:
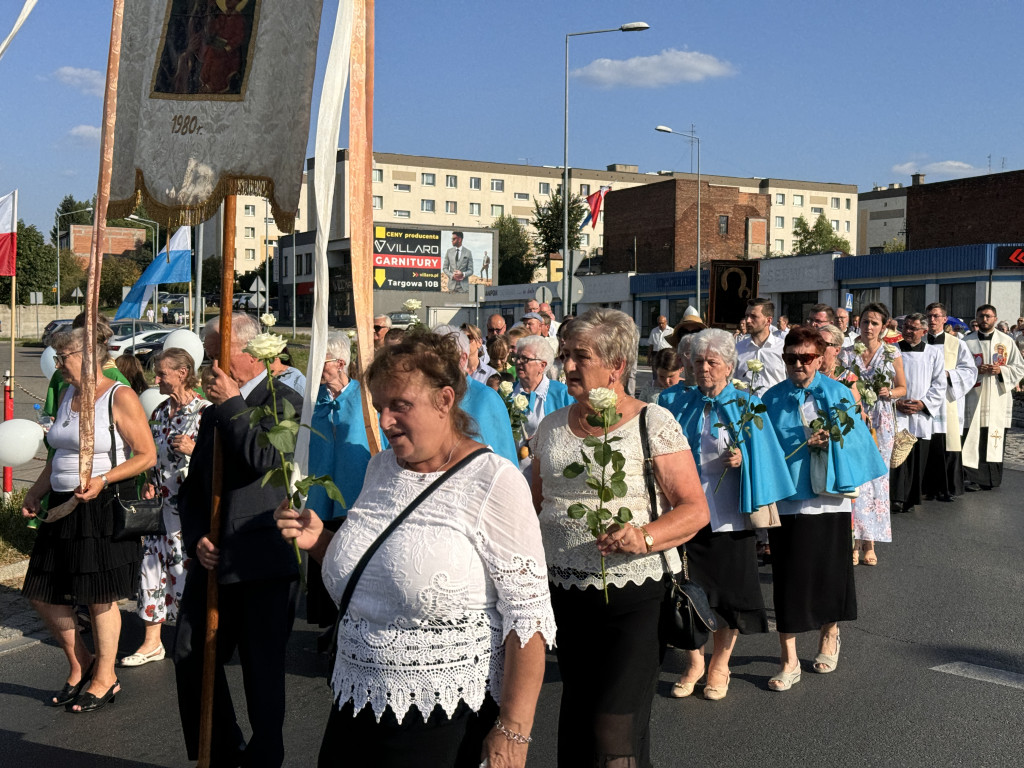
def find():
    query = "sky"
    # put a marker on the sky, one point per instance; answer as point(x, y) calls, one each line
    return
point(859, 93)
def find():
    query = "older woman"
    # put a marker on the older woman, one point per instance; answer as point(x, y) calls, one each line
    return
point(741, 468)
point(532, 359)
point(811, 569)
point(450, 617)
point(75, 560)
point(609, 652)
point(174, 424)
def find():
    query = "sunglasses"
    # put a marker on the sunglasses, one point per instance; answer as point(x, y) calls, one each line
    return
point(379, 327)
point(791, 358)
point(59, 360)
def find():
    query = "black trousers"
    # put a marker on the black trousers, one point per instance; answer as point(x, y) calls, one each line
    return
point(906, 482)
point(989, 473)
point(944, 473)
point(256, 619)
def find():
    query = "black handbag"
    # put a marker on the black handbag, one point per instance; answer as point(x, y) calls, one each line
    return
point(686, 619)
point(133, 517)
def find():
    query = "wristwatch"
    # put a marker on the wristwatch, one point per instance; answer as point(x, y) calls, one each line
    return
point(648, 539)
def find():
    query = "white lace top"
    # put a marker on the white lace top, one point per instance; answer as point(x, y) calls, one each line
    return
point(431, 612)
point(572, 554)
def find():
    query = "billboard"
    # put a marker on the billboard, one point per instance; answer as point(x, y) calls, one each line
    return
point(409, 258)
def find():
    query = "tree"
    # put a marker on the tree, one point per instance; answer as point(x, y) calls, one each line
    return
point(78, 215)
point(211, 275)
point(118, 272)
point(36, 266)
point(820, 238)
point(895, 245)
point(515, 263)
point(547, 220)
point(72, 276)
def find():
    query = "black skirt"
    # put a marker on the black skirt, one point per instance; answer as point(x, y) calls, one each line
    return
point(812, 571)
point(75, 561)
point(725, 565)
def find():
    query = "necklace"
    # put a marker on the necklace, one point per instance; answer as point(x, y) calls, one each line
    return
point(583, 425)
point(405, 464)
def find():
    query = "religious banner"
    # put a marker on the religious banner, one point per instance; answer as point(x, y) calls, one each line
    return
point(213, 99)
point(733, 284)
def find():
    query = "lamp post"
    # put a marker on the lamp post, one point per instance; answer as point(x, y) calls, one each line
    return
point(691, 137)
point(156, 252)
point(267, 220)
point(58, 218)
point(634, 26)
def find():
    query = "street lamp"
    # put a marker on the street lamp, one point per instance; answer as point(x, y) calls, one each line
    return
point(66, 213)
point(156, 248)
point(691, 137)
point(633, 26)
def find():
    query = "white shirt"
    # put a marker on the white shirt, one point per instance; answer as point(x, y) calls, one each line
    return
point(723, 503)
point(821, 504)
point(926, 381)
point(657, 339)
point(535, 415)
point(769, 354)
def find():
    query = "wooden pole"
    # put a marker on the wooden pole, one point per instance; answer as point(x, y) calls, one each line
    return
point(227, 282)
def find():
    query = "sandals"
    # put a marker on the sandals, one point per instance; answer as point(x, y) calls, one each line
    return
point(784, 680)
point(827, 662)
point(70, 693)
point(856, 557)
point(90, 702)
point(870, 558)
point(138, 659)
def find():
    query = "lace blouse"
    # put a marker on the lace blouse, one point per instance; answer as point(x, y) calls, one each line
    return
point(431, 612)
point(572, 555)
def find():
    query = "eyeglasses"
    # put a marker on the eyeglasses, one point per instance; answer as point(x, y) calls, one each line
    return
point(523, 360)
point(378, 327)
point(791, 358)
point(835, 346)
point(59, 360)
point(496, 330)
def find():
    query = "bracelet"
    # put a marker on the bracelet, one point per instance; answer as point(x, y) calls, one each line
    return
point(105, 481)
point(511, 735)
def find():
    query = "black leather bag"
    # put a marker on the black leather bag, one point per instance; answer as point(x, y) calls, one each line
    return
point(686, 619)
point(133, 517)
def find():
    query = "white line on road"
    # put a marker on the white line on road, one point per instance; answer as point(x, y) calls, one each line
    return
point(984, 674)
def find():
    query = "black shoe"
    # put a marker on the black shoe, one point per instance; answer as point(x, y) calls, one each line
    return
point(971, 487)
point(69, 693)
point(896, 507)
point(89, 702)
point(908, 509)
point(946, 497)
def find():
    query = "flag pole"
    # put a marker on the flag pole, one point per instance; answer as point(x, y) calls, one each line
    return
point(9, 380)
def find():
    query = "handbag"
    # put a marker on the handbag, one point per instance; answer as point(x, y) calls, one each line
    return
point(902, 445)
point(133, 518)
point(686, 618)
point(766, 517)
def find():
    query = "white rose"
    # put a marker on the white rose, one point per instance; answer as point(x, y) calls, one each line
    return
point(266, 346)
point(411, 305)
point(351, 334)
point(740, 384)
point(602, 399)
point(890, 349)
point(268, 320)
point(755, 366)
point(860, 348)
point(870, 397)
point(521, 402)
point(505, 388)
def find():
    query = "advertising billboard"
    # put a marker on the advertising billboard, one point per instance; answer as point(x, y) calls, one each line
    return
point(409, 258)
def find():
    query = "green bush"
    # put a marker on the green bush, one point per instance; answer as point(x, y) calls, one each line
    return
point(16, 538)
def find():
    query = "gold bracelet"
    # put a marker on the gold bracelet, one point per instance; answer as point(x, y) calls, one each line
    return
point(511, 735)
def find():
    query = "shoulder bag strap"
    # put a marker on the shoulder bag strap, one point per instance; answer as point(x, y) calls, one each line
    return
point(652, 489)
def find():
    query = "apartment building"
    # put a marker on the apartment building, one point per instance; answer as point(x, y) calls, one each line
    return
point(810, 199)
point(882, 217)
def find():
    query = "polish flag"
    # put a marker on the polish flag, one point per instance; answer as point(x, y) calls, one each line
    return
point(8, 233)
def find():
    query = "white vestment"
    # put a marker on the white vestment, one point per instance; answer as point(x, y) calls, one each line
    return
point(926, 381)
point(990, 402)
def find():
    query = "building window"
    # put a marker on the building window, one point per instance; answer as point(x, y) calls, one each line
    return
point(474, 182)
point(497, 210)
point(847, 203)
point(309, 263)
point(427, 206)
point(378, 203)
point(796, 222)
point(401, 214)
point(780, 246)
point(815, 210)
point(723, 225)
point(835, 225)
point(497, 185)
point(250, 210)
point(451, 181)
point(428, 179)
point(474, 209)
point(524, 222)
point(798, 201)
point(780, 198)
point(544, 188)
point(958, 298)
point(284, 265)
point(584, 239)
point(847, 226)
point(780, 221)
point(584, 190)
point(250, 254)
point(835, 202)
point(403, 187)
point(521, 195)
point(378, 174)
point(451, 206)
point(250, 232)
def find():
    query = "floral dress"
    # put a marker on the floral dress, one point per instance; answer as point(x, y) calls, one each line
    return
point(871, 514)
point(163, 557)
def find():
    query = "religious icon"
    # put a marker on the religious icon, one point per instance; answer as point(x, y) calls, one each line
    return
point(999, 358)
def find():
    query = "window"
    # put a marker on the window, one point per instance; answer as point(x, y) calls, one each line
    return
point(780, 198)
point(780, 221)
point(427, 206)
point(584, 239)
point(847, 203)
point(798, 201)
point(451, 206)
point(544, 188)
point(428, 179)
point(497, 185)
point(835, 202)
point(451, 181)
point(958, 298)
point(584, 190)
point(474, 209)
point(816, 210)
point(250, 254)
point(378, 203)
point(378, 174)
point(497, 210)
point(250, 232)
point(524, 222)
point(474, 182)
point(284, 265)
point(907, 299)
point(250, 210)
point(835, 225)
point(796, 221)
point(780, 246)
point(847, 226)
point(521, 195)
point(309, 263)
point(403, 187)
point(723, 225)
point(401, 214)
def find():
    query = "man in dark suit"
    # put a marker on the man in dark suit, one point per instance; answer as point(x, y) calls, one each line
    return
point(256, 570)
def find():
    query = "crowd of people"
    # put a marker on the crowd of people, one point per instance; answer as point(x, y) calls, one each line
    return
point(476, 541)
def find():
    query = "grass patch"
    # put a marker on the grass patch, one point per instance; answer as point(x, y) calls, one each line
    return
point(15, 538)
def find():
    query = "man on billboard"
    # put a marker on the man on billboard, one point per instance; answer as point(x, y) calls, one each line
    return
point(458, 265)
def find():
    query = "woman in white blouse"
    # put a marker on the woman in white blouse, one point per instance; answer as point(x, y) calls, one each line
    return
point(609, 653)
point(451, 615)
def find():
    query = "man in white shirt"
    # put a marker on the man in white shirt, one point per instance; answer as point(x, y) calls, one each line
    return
point(843, 324)
point(657, 340)
point(545, 308)
point(763, 344)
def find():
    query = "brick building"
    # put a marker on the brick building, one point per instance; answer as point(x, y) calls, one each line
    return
point(118, 241)
point(653, 228)
point(971, 211)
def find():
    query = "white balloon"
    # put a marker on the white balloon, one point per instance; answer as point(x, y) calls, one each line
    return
point(188, 341)
point(151, 398)
point(46, 363)
point(20, 440)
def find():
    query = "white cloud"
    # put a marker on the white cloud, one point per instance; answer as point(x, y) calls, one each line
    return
point(940, 168)
point(89, 81)
point(666, 68)
point(89, 133)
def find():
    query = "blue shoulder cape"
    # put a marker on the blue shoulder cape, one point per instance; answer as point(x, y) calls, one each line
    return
point(340, 450)
point(763, 475)
point(850, 466)
point(669, 396)
point(491, 416)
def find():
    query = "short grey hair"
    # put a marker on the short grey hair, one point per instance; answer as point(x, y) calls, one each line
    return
point(339, 346)
point(75, 337)
point(1003, 326)
point(918, 317)
point(456, 333)
point(832, 333)
point(614, 336)
point(385, 320)
point(718, 342)
point(244, 328)
point(536, 346)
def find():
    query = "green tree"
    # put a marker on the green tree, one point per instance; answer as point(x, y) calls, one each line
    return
point(79, 215)
point(118, 272)
point(211, 274)
point(895, 245)
point(515, 262)
point(820, 238)
point(36, 266)
point(547, 221)
point(72, 276)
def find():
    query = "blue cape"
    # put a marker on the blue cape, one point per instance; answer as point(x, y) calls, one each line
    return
point(850, 466)
point(340, 450)
point(669, 396)
point(763, 475)
point(557, 398)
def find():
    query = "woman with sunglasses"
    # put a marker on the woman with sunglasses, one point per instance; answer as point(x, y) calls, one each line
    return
point(812, 573)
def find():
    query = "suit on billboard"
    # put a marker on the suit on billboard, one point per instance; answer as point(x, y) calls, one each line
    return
point(458, 260)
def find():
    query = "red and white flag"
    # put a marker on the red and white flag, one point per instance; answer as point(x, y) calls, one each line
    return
point(8, 233)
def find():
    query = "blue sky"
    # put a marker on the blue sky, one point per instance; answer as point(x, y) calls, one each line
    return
point(861, 93)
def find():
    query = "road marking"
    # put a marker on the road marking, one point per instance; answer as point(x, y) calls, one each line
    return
point(984, 674)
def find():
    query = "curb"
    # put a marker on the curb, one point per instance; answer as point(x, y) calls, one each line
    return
point(14, 570)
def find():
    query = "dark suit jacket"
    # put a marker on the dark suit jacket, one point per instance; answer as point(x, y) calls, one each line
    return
point(251, 546)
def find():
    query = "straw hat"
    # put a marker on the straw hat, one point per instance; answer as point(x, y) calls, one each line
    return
point(691, 323)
